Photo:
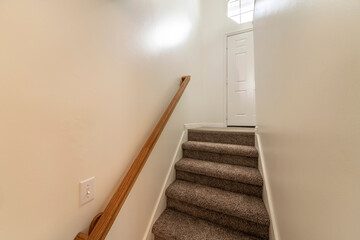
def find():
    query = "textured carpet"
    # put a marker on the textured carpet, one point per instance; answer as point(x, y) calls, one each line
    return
point(234, 204)
point(227, 185)
point(174, 225)
point(217, 194)
point(222, 148)
point(239, 138)
point(223, 171)
point(234, 223)
point(221, 158)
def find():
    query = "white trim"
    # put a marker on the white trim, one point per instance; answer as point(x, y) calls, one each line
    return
point(192, 125)
point(225, 88)
point(249, 29)
point(170, 177)
point(267, 194)
point(204, 124)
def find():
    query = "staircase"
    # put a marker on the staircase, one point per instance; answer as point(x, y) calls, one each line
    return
point(217, 194)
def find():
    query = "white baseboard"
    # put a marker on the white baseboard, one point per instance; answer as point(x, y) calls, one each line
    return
point(204, 124)
point(170, 177)
point(267, 195)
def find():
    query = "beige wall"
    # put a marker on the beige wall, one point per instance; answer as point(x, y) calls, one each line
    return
point(82, 83)
point(308, 112)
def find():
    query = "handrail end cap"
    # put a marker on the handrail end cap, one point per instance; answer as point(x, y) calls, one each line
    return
point(184, 77)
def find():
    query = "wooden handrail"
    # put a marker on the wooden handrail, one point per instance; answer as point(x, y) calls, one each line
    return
point(103, 222)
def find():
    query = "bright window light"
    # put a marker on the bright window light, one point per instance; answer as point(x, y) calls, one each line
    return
point(241, 11)
point(169, 32)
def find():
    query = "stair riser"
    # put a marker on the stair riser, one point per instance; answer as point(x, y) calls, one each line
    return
point(158, 238)
point(220, 183)
point(238, 138)
point(237, 224)
point(222, 158)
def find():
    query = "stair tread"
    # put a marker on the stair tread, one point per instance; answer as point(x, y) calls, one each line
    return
point(173, 225)
point(223, 148)
point(235, 204)
point(237, 173)
point(230, 136)
point(238, 131)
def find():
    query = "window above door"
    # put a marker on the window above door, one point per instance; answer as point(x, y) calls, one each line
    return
point(241, 11)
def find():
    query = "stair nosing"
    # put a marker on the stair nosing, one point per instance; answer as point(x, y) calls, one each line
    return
point(159, 231)
point(250, 213)
point(227, 174)
point(233, 132)
point(242, 225)
point(222, 148)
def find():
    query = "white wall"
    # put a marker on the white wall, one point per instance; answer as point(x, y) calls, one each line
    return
point(307, 58)
point(82, 84)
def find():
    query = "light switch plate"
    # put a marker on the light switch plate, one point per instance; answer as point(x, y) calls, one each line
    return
point(87, 190)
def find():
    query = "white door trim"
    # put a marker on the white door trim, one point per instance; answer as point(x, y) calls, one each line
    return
point(239, 32)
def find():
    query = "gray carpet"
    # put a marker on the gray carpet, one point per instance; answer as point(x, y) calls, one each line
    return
point(217, 194)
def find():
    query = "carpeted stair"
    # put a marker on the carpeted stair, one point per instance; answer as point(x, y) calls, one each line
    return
point(217, 192)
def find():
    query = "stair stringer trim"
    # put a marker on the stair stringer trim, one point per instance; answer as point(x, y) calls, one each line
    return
point(267, 194)
point(204, 124)
point(160, 205)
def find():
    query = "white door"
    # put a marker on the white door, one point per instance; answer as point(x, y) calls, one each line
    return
point(240, 80)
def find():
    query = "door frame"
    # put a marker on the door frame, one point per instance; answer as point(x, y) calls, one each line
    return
point(225, 72)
